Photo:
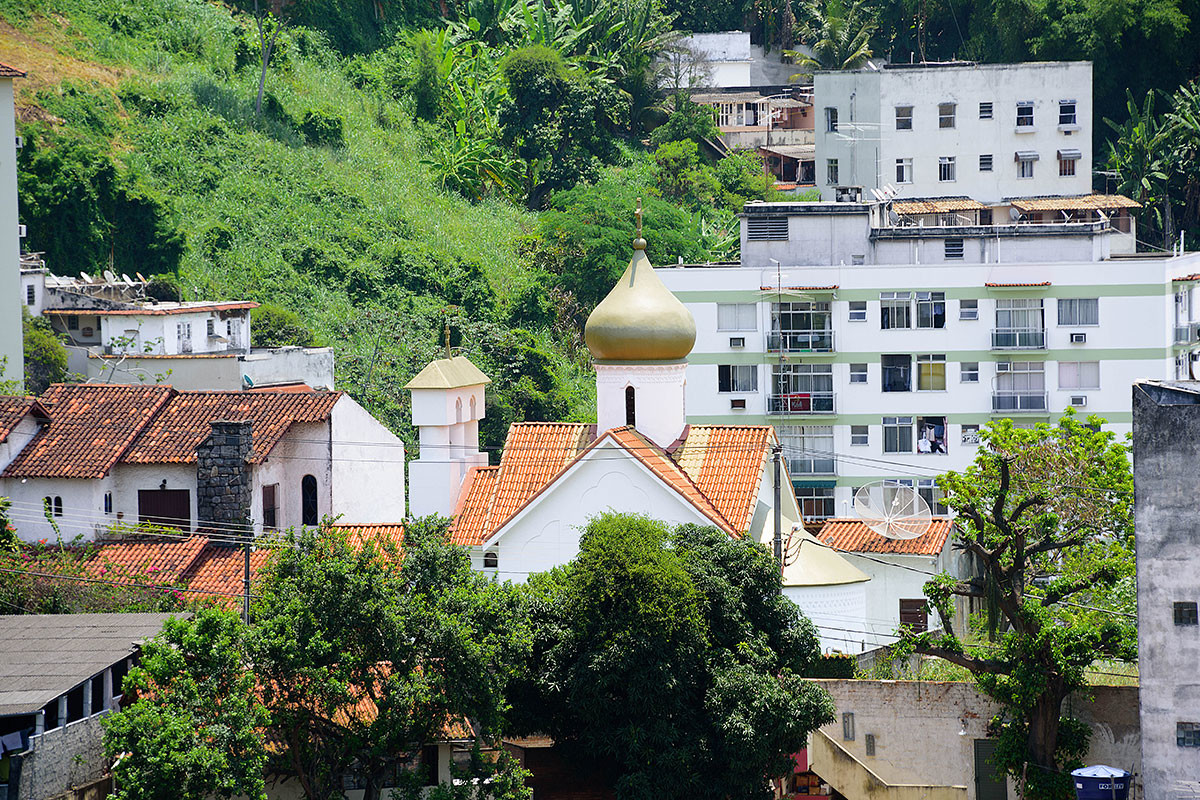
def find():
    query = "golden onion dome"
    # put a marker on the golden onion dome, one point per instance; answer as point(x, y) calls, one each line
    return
point(640, 320)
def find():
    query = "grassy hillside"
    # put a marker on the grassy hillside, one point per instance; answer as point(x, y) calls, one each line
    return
point(141, 134)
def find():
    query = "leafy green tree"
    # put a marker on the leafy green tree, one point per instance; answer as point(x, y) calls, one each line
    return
point(365, 657)
point(673, 656)
point(681, 176)
point(1139, 157)
point(742, 177)
point(196, 728)
point(1045, 514)
point(688, 120)
point(45, 355)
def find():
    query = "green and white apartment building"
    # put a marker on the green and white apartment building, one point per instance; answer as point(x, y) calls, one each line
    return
point(878, 343)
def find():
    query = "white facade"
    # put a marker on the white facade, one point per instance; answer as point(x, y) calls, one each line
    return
point(808, 345)
point(986, 131)
point(357, 463)
point(448, 421)
point(659, 399)
point(12, 343)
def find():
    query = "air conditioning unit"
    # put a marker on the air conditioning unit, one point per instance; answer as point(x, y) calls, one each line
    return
point(1078, 338)
point(738, 403)
point(737, 341)
point(21, 231)
point(1078, 400)
point(20, 142)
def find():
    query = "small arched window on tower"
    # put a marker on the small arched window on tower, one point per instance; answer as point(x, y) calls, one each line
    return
point(630, 407)
point(458, 410)
point(491, 559)
point(473, 407)
point(308, 500)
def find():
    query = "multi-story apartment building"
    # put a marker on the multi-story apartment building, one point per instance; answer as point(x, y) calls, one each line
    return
point(986, 131)
point(880, 349)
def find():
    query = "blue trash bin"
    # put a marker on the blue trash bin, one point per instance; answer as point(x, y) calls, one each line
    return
point(1101, 783)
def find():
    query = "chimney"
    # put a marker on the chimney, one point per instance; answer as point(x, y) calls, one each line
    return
point(223, 478)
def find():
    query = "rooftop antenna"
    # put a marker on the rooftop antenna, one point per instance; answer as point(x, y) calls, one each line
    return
point(892, 510)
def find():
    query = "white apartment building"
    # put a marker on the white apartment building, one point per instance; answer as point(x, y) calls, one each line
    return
point(878, 350)
point(12, 346)
point(986, 131)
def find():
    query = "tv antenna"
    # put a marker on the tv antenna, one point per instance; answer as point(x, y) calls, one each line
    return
point(892, 510)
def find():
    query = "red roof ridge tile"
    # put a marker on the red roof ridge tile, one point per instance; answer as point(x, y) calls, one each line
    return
point(852, 535)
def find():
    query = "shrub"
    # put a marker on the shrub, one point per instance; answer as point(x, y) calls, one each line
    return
point(274, 326)
point(688, 121)
point(324, 128)
point(164, 289)
point(834, 665)
point(45, 356)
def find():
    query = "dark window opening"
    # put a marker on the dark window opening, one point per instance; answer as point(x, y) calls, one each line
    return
point(51, 712)
point(897, 373)
point(97, 693)
point(1186, 614)
point(630, 407)
point(30, 295)
point(429, 764)
point(912, 614)
point(308, 500)
point(75, 704)
point(108, 502)
point(119, 671)
point(58, 506)
point(491, 560)
point(848, 726)
point(1187, 734)
point(270, 501)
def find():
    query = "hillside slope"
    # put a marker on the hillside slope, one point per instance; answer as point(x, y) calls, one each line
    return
point(142, 139)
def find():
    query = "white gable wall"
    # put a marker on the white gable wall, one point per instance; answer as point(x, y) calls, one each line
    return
point(546, 533)
point(368, 467)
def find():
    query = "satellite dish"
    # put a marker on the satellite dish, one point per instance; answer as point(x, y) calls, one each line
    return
point(86, 278)
point(892, 510)
point(247, 382)
point(109, 276)
point(128, 280)
point(1013, 214)
point(880, 196)
point(893, 217)
point(139, 277)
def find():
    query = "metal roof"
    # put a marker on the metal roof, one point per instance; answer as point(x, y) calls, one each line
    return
point(1082, 202)
point(937, 205)
point(448, 373)
point(791, 150)
point(45, 655)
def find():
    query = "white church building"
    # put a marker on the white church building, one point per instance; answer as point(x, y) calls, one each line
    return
point(526, 514)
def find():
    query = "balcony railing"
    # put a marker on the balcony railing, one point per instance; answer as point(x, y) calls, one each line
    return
point(1018, 401)
point(1018, 339)
point(801, 403)
point(1186, 334)
point(800, 341)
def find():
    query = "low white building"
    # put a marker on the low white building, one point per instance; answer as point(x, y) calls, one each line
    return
point(879, 349)
point(526, 514)
point(99, 455)
point(986, 131)
point(115, 334)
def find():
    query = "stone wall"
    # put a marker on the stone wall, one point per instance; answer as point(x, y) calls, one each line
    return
point(924, 732)
point(222, 477)
point(62, 759)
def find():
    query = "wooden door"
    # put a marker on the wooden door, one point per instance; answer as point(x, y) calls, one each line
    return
point(169, 507)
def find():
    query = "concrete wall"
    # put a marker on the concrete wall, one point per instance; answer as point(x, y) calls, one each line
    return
point(12, 348)
point(1166, 449)
point(63, 758)
point(916, 727)
point(216, 371)
point(82, 504)
point(367, 468)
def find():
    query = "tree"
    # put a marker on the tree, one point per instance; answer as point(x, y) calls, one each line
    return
point(275, 326)
point(1046, 516)
point(1139, 158)
point(839, 36)
point(45, 356)
point(196, 728)
point(672, 656)
point(364, 657)
point(688, 120)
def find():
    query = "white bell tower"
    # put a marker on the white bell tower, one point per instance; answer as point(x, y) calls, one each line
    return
point(447, 404)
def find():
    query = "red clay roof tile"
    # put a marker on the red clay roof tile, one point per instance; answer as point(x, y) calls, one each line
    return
point(470, 516)
point(726, 462)
point(90, 428)
point(172, 436)
point(14, 408)
point(10, 72)
point(854, 536)
point(534, 453)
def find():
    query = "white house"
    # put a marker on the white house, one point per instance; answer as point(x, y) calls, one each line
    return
point(12, 343)
point(899, 570)
point(97, 455)
point(115, 334)
point(525, 515)
point(986, 131)
point(879, 349)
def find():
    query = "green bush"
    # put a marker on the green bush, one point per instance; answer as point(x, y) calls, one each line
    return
point(274, 326)
point(45, 356)
point(163, 288)
point(688, 121)
point(324, 128)
point(834, 665)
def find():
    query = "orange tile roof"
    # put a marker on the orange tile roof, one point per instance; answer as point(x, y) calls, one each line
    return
point(1195, 276)
point(534, 453)
point(670, 472)
point(14, 408)
point(1083, 202)
point(717, 469)
point(283, 387)
point(90, 428)
point(219, 571)
point(158, 560)
point(173, 434)
point(1016, 285)
point(854, 536)
point(10, 72)
point(726, 462)
point(357, 535)
point(470, 515)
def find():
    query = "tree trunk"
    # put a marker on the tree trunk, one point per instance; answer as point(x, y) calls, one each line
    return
point(1043, 725)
